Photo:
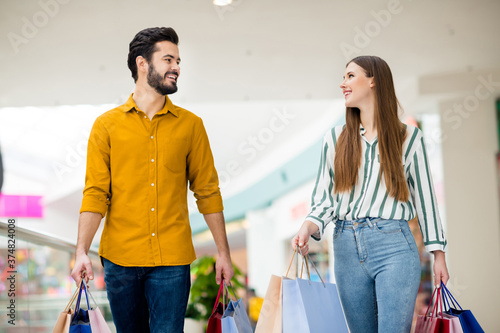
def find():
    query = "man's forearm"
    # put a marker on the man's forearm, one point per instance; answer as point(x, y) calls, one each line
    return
point(87, 227)
point(217, 226)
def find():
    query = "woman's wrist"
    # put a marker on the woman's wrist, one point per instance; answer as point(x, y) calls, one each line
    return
point(439, 255)
point(311, 227)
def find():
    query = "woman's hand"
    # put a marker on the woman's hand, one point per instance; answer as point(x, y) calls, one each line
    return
point(308, 228)
point(440, 269)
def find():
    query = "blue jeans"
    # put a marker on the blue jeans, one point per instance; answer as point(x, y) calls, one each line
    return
point(377, 270)
point(147, 299)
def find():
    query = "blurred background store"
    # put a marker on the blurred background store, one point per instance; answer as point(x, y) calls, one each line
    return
point(264, 76)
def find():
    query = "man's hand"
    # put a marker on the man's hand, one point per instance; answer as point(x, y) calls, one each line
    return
point(224, 269)
point(440, 269)
point(83, 267)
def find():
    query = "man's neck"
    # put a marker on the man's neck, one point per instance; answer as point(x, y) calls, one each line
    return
point(148, 100)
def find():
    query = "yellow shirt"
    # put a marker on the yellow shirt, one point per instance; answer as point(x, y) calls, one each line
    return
point(137, 172)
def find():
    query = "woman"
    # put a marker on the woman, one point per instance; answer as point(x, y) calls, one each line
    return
point(373, 178)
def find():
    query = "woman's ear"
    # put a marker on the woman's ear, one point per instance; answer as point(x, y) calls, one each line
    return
point(372, 82)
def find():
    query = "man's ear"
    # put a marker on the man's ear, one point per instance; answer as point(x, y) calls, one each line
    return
point(142, 64)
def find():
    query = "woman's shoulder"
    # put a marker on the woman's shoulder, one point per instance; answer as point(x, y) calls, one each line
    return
point(334, 132)
point(413, 134)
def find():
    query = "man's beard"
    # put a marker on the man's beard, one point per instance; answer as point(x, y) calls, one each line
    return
point(157, 82)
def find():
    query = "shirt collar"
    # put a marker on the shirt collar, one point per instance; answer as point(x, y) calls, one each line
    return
point(168, 107)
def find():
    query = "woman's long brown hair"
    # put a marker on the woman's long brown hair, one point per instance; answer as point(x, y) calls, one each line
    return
point(390, 131)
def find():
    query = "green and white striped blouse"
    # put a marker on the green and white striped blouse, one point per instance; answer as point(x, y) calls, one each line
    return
point(369, 197)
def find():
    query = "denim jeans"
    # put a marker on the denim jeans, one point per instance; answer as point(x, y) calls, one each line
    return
point(147, 299)
point(377, 270)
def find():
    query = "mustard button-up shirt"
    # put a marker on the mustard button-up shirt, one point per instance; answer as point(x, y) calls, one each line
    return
point(137, 176)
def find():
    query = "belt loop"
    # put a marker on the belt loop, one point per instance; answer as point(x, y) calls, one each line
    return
point(342, 226)
point(370, 224)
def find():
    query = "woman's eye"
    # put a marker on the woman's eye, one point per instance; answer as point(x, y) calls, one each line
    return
point(350, 75)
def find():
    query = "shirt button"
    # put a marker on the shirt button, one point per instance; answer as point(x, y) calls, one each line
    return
point(145, 116)
point(152, 209)
point(153, 234)
point(152, 160)
point(151, 136)
point(152, 184)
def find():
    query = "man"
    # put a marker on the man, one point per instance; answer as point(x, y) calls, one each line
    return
point(140, 158)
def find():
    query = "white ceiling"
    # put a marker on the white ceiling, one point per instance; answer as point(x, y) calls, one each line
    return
point(251, 50)
point(240, 64)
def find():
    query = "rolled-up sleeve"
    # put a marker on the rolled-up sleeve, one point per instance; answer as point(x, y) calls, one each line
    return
point(202, 175)
point(322, 208)
point(96, 194)
point(423, 196)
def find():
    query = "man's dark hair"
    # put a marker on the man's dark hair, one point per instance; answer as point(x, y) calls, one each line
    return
point(144, 42)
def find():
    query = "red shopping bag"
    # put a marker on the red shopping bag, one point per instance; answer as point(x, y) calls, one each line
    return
point(214, 322)
point(431, 323)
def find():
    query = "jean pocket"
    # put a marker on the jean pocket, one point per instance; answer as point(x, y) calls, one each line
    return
point(388, 227)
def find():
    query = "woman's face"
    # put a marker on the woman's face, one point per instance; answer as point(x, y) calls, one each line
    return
point(357, 87)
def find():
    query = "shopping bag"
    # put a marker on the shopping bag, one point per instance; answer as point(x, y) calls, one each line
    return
point(214, 322)
point(431, 323)
point(80, 321)
point(270, 314)
point(235, 318)
point(64, 319)
point(467, 319)
point(311, 307)
point(455, 326)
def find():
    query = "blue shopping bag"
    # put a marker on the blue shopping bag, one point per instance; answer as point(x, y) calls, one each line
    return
point(235, 318)
point(80, 322)
point(310, 306)
point(467, 319)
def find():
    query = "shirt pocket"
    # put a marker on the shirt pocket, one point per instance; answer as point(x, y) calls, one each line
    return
point(173, 154)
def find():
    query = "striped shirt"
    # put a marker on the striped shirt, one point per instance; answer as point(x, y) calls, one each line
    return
point(369, 196)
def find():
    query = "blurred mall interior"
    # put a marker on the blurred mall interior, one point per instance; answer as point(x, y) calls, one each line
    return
point(264, 76)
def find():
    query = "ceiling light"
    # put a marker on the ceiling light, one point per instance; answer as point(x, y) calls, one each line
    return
point(222, 2)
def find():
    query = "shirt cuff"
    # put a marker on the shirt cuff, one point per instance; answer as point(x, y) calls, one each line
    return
point(436, 247)
point(94, 206)
point(318, 234)
point(210, 205)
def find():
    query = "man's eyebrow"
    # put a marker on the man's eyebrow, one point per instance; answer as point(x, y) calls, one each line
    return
point(171, 56)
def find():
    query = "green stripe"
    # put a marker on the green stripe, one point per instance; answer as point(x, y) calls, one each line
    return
point(365, 178)
point(315, 218)
point(382, 205)
point(350, 200)
point(436, 242)
point(334, 136)
point(411, 184)
point(404, 217)
point(430, 188)
point(339, 205)
point(320, 203)
point(415, 133)
point(394, 206)
point(330, 188)
point(374, 197)
point(421, 195)
point(321, 167)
